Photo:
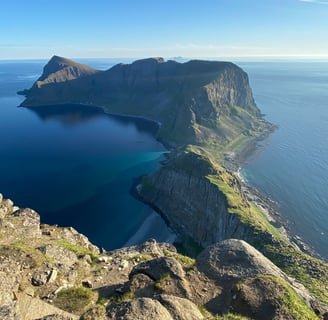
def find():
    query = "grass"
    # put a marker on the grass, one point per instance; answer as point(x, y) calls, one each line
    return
point(141, 257)
point(161, 283)
point(186, 262)
point(74, 300)
point(77, 249)
point(229, 316)
point(290, 302)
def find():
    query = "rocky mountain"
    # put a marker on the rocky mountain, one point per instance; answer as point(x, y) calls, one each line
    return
point(205, 102)
point(48, 272)
point(208, 120)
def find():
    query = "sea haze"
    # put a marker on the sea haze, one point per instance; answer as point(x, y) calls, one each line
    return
point(76, 167)
point(292, 165)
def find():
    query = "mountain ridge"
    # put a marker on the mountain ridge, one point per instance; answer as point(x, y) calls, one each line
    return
point(208, 118)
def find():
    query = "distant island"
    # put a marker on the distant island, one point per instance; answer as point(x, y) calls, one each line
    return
point(209, 122)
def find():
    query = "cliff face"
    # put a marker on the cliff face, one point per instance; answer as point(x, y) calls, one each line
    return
point(184, 193)
point(48, 272)
point(192, 100)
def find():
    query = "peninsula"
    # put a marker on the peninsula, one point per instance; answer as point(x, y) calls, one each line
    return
point(209, 122)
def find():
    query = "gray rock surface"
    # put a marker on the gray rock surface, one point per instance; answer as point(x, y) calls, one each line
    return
point(139, 309)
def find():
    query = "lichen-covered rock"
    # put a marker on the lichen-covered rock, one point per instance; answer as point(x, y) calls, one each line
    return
point(139, 309)
point(235, 259)
point(156, 268)
point(180, 308)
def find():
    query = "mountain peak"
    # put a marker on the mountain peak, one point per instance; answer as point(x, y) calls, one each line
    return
point(60, 69)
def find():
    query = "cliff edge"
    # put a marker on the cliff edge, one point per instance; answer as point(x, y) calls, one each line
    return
point(197, 102)
point(208, 117)
point(48, 272)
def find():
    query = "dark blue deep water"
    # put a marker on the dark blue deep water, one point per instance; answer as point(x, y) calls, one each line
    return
point(292, 165)
point(76, 168)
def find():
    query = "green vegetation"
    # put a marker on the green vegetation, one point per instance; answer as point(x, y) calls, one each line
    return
point(311, 272)
point(74, 299)
point(126, 296)
point(229, 316)
point(78, 250)
point(24, 253)
point(141, 257)
point(161, 283)
point(290, 302)
point(186, 262)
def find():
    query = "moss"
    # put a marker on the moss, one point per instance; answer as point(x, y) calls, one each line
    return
point(74, 300)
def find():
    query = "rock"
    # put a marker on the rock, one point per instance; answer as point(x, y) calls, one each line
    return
point(29, 222)
point(141, 286)
point(158, 267)
point(87, 284)
point(138, 309)
point(235, 259)
point(62, 256)
point(268, 297)
point(53, 276)
point(40, 278)
point(97, 312)
point(180, 308)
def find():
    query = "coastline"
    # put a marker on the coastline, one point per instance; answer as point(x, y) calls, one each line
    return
point(233, 161)
point(268, 207)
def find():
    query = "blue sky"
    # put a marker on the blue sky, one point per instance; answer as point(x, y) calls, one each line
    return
point(168, 28)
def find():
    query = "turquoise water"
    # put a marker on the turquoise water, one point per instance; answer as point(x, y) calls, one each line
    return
point(76, 168)
point(292, 165)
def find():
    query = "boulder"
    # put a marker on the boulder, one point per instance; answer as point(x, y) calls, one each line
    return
point(180, 308)
point(157, 268)
point(139, 309)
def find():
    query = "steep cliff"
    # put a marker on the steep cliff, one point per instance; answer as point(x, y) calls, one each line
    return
point(47, 272)
point(205, 202)
point(202, 102)
point(208, 105)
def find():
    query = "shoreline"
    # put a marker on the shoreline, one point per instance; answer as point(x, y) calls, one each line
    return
point(268, 207)
point(233, 161)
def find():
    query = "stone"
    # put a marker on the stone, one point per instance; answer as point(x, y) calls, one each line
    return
point(180, 308)
point(40, 278)
point(235, 259)
point(87, 284)
point(53, 276)
point(158, 267)
point(138, 309)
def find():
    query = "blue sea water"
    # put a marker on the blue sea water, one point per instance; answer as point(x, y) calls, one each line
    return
point(291, 166)
point(76, 168)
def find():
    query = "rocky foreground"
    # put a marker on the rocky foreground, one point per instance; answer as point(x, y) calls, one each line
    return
point(49, 272)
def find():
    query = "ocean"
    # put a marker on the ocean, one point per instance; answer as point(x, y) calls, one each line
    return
point(77, 168)
point(291, 166)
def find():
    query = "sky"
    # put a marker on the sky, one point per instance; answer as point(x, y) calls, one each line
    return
point(38, 29)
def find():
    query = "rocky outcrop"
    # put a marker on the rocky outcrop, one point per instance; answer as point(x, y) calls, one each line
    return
point(56, 273)
point(192, 101)
point(191, 202)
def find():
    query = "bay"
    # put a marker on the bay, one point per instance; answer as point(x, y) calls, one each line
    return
point(76, 165)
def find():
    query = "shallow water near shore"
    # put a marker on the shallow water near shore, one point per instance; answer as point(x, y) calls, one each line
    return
point(76, 168)
point(291, 166)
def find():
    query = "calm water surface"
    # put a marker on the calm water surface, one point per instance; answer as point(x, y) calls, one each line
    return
point(76, 168)
point(292, 165)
